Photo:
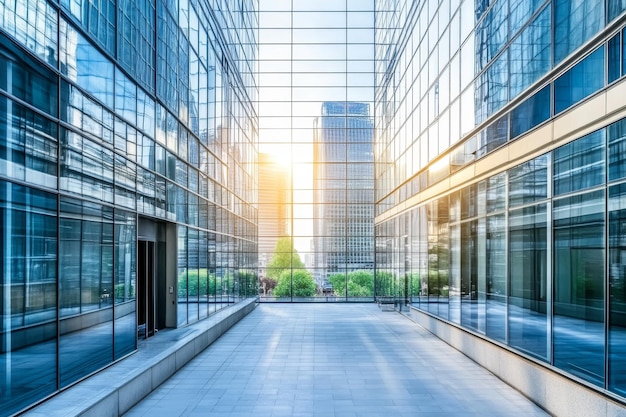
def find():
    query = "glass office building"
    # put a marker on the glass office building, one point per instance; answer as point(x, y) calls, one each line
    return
point(128, 142)
point(500, 180)
point(344, 195)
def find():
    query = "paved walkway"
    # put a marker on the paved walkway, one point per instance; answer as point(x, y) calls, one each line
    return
point(332, 360)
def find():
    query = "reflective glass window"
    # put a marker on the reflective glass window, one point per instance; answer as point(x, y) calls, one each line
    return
point(125, 97)
point(97, 18)
point(520, 12)
point(491, 33)
point(82, 63)
point(614, 49)
point(528, 271)
point(492, 89)
point(578, 323)
point(528, 182)
point(493, 136)
point(615, 8)
point(616, 138)
point(579, 164)
point(28, 327)
point(575, 22)
point(530, 53)
point(532, 112)
point(582, 80)
point(496, 283)
point(135, 39)
point(29, 148)
point(617, 289)
point(472, 315)
point(34, 23)
point(22, 77)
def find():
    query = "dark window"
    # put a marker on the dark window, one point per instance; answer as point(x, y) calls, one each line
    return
point(533, 111)
point(582, 80)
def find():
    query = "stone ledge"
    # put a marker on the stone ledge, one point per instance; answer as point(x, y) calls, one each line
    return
point(117, 388)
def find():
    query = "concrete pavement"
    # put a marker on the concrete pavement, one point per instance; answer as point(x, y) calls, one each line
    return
point(332, 360)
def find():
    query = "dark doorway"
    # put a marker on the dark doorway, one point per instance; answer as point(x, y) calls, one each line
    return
point(146, 288)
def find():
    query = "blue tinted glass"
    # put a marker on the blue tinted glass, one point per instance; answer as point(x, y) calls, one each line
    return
point(580, 81)
point(491, 34)
point(29, 151)
point(24, 78)
point(97, 18)
point(623, 54)
point(85, 65)
point(530, 53)
point(528, 296)
point(33, 23)
point(614, 50)
point(575, 22)
point(616, 137)
point(579, 164)
point(520, 12)
point(615, 9)
point(617, 287)
point(29, 264)
point(533, 111)
point(579, 286)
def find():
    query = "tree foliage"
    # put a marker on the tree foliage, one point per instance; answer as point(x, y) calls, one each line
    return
point(285, 258)
point(360, 284)
point(300, 280)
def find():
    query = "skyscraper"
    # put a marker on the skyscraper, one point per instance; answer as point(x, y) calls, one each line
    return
point(500, 181)
point(127, 179)
point(275, 206)
point(343, 189)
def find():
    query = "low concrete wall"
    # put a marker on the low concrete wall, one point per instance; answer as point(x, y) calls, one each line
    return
point(116, 389)
point(556, 393)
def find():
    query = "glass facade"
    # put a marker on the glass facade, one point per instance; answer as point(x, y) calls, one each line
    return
point(316, 95)
point(128, 147)
point(464, 158)
point(485, 219)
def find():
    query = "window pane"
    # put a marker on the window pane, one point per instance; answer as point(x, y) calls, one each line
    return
point(528, 182)
point(579, 286)
point(584, 79)
point(496, 305)
point(532, 112)
point(528, 320)
point(616, 133)
point(617, 289)
point(579, 164)
point(614, 51)
point(575, 22)
point(530, 53)
point(29, 262)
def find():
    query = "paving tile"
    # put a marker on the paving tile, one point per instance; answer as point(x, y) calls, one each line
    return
point(348, 360)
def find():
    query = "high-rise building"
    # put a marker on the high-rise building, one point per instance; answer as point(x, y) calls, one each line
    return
point(127, 179)
point(274, 206)
point(500, 183)
point(343, 193)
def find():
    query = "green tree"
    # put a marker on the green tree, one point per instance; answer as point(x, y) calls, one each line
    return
point(360, 284)
point(300, 280)
point(285, 258)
